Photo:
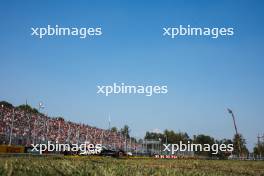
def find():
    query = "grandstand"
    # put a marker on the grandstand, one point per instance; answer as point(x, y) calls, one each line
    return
point(26, 126)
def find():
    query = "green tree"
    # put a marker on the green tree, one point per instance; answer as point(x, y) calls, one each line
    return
point(203, 139)
point(224, 154)
point(259, 149)
point(114, 129)
point(154, 136)
point(175, 138)
point(134, 140)
point(240, 148)
point(28, 108)
point(6, 104)
point(125, 131)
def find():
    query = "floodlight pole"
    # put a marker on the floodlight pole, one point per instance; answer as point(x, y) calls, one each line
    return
point(47, 129)
point(42, 107)
point(109, 122)
point(234, 121)
point(166, 142)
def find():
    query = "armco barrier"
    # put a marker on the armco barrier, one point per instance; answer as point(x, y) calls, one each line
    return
point(11, 149)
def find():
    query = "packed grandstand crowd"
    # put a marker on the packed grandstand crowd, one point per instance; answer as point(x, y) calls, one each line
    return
point(21, 127)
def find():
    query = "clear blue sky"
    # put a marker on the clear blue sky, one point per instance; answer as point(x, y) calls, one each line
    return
point(204, 75)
